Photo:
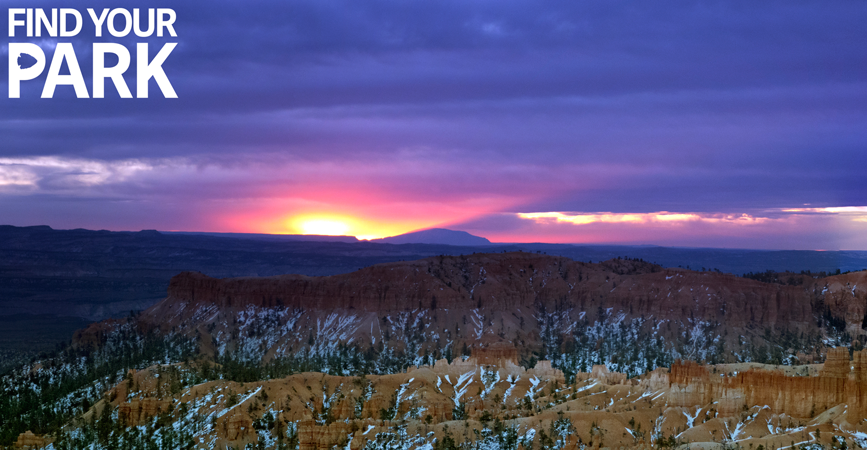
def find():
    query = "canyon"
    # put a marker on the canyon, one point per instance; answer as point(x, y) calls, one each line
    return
point(488, 350)
point(470, 402)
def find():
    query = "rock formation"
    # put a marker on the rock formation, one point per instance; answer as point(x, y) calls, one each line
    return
point(508, 282)
point(137, 411)
point(758, 404)
point(29, 441)
point(502, 309)
point(238, 427)
point(492, 303)
point(601, 373)
point(313, 437)
point(837, 363)
point(497, 353)
point(799, 396)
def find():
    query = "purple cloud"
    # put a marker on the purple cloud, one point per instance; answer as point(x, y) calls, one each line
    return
point(467, 108)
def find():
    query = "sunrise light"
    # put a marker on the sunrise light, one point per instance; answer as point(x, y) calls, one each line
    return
point(328, 224)
point(324, 227)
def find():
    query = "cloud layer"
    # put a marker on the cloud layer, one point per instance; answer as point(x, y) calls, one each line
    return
point(402, 115)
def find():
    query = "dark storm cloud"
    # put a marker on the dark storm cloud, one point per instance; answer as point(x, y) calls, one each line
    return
point(566, 106)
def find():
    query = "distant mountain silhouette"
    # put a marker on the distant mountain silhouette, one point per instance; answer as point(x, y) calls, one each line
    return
point(440, 236)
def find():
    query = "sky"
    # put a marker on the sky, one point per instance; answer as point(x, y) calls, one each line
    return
point(735, 124)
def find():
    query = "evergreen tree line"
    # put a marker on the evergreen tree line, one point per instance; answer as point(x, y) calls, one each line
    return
point(67, 383)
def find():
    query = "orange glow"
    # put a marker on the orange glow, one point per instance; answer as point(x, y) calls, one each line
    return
point(318, 223)
point(352, 213)
point(330, 224)
point(324, 227)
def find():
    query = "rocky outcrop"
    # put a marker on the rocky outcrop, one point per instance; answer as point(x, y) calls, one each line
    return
point(542, 369)
point(837, 363)
point(510, 282)
point(137, 411)
point(856, 387)
point(497, 353)
point(238, 427)
point(30, 441)
point(694, 402)
point(314, 437)
point(798, 396)
point(690, 384)
point(657, 380)
point(603, 375)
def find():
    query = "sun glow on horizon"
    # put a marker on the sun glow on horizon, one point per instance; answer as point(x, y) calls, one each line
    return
point(324, 227)
point(330, 224)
